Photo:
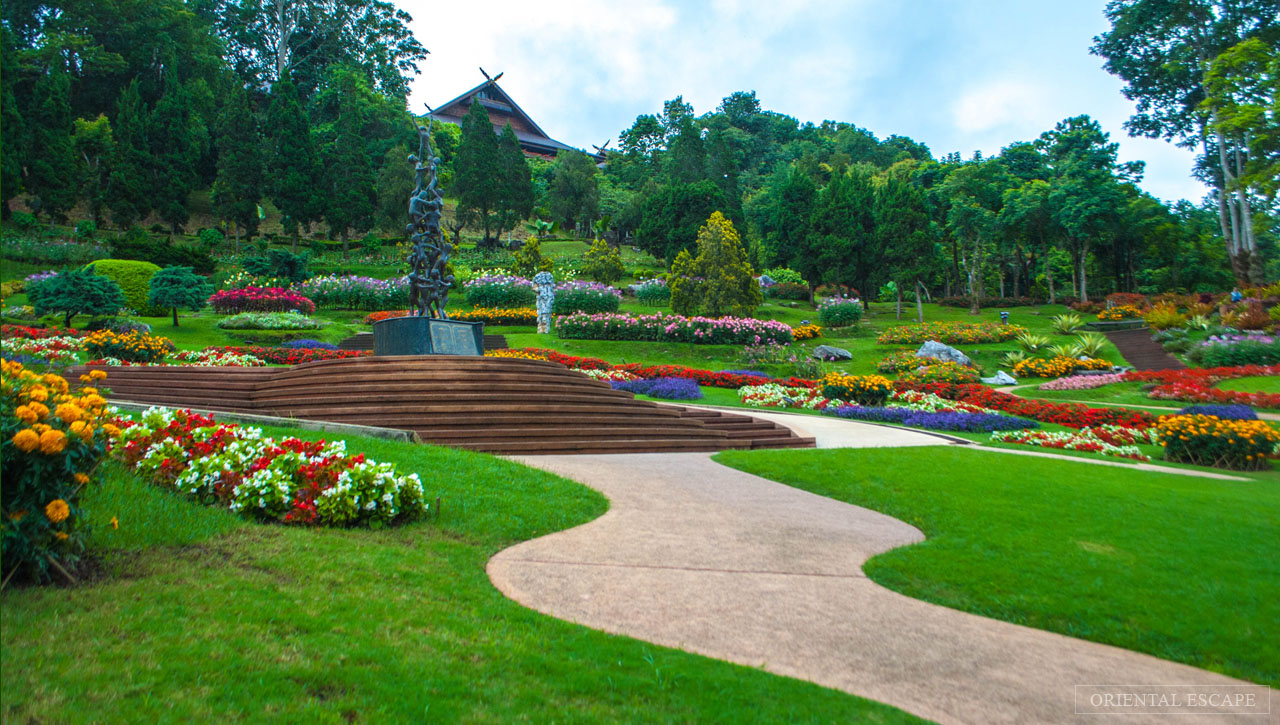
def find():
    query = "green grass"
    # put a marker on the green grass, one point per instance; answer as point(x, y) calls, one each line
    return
point(204, 617)
point(1254, 384)
point(1187, 569)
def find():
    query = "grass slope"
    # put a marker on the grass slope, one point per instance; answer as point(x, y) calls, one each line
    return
point(205, 617)
point(1186, 569)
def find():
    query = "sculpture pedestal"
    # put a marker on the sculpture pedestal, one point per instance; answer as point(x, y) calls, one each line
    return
point(427, 336)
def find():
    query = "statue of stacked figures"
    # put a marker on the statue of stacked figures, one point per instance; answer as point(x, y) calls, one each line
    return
point(429, 279)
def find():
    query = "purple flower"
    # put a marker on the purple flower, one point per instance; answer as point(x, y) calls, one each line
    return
point(665, 388)
point(972, 422)
point(1226, 412)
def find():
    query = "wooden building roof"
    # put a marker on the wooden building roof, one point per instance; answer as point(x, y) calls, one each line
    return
point(502, 111)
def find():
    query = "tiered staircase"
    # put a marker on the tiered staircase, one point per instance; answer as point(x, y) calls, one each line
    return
point(364, 341)
point(497, 405)
point(1143, 353)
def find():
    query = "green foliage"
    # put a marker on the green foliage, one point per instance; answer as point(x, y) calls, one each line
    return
point(574, 195)
point(728, 285)
point(24, 221)
point(584, 299)
point(76, 292)
point(177, 288)
point(1240, 353)
point(840, 312)
point(653, 292)
point(529, 260)
point(93, 143)
point(291, 320)
point(240, 181)
point(672, 216)
point(86, 229)
point(783, 275)
point(279, 263)
point(177, 136)
point(603, 263)
point(686, 292)
point(138, 244)
point(491, 178)
point(393, 185)
point(1066, 324)
point(134, 278)
point(128, 191)
point(51, 169)
point(291, 160)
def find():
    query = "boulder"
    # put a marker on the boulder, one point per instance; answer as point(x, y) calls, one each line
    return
point(946, 353)
point(830, 354)
point(1000, 378)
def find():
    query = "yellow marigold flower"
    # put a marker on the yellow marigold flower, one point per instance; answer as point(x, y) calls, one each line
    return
point(53, 442)
point(88, 391)
point(39, 393)
point(25, 414)
point(61, 535)
point(69, 412)
point(57, 511)
point(81, 479)
point(85, 378)
point(115, 522)
point(98, 374)
point(41, 409)
point(26, 440)
point(111, 429)
point(76, 427)
point(86, 434)
point(94, 401)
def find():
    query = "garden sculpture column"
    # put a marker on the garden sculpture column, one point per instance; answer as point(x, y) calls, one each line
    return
point(546, 285)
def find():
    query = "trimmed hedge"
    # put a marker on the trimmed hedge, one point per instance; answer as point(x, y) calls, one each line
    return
point(134, 278)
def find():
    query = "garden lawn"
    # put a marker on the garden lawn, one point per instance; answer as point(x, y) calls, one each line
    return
point(1256, 384)
point(204, 617)
point(1187, 569)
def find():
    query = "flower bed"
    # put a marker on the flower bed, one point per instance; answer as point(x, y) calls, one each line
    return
point(58, 350)
point(840, 311)
point(869, 390)
point(1207, 440)
point(132, 346)
point(22, 332)
point(589, 297)
point(500, 290)
point(1082, 382)
point(287, 356)
point(773, 395)
point(353, 292)
point(1253, 348)
point(903, 361)
point(711, 378)
point(260, 299)
point(308, 343)
point(288, 481)
point(673, 328)
point(665, 388)
point(971, 422)
point(652, 292)
point(1057, 367)
point(1226, 412)
point(1118, 313)
point(1085, 440)
point(941, 371)
point(1071, 415)
point(1195, 385)
point(53, 438)
point(952, 333)
point(806, 332)
point(268, 321)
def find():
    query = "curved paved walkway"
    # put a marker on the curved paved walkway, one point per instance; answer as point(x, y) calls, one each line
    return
point(708, 559)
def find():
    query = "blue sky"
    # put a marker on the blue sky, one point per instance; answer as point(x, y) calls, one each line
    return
point(963, 75)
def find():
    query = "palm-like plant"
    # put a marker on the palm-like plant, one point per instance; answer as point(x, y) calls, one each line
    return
point(1013, 358)
point(1066, 324)
point(1064, 349)
point(1032, 343)
point(1091, 343)
point(1199, 322)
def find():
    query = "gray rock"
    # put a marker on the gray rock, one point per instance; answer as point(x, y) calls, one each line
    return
point(1000, 378)
point(938, 351)
point(829, 353)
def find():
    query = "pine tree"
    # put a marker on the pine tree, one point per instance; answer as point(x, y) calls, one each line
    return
point(902, 228)
point(351, 196)
point(94, 145)
point(729, 285)
point(128, 194)
point(291, 161)
point(12, 129)
point(174, 152)
point(516, 181)
point(477, 170)
point(51, 168)
point(239, 184)
point(393, 186)
point(574, 195)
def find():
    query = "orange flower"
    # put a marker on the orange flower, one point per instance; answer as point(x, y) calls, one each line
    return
point(69, 412)
point(26, 440)
point(81, 479)
point(61, 535)
point(57, 511)
point(52, 442)
point(25, 414)
point(98, 374)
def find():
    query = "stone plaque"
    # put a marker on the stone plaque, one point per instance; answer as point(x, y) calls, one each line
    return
point(427, 336)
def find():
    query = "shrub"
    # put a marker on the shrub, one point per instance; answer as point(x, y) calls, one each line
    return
point(354, 292)
point(133, 346)
point(178, 287)
point(589, 297)
point(24, 221)
point(942, 372)
point(1089, 307)
point(665, 388)
point(1228, 352)
point(500, 291)
point(529, 260)
point(288, 481)
point(1091, 344)
point(653, 292)
point(134, 278)
point(51, 439)
point(726, 283)
point(75, 292)
point(86, 229)
point(268, 321)
point(138, 244)
point(121, 325)
point(210, 239)
point(1127, 299)
point(840, 311)
point(1057, 367)
point(603, 263)
point(1032, 343)
point(672, 328)
point(1225, 412)
point(903, 361)
point(1207, 440)
point(787, 291)
point(260, 299)
point(1164, 316)
point(952, 333)
point(279, 263)
point(785, 275)
point(866, 390)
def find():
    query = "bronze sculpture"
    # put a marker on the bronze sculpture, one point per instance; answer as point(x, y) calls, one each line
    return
point(429, 277)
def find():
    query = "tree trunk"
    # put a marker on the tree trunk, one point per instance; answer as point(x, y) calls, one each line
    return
point(1084, 281)
point(346, 248)
point(175, 316)
point(975, 278)
point(237, 230)
point(67, 323)
point(813, 291)
point(899, 289)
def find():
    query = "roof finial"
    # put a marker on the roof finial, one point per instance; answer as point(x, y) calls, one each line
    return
point(493, 79)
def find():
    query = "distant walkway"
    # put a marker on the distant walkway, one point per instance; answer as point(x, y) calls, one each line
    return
point(1143, 353)
point(712, 560)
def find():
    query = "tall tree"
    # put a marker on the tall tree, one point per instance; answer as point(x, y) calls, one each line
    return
point(349, 192)
point(902, 231)
point(787, 214)
point(670, 217)
point(392, 186)
point(974, 191)
point(728, 282)
point(291, 162)
point(93, 143)
point(175, 150)
point(1163, 50)
point(515, 182)
point(1243, 103)
point(239, 185)
point(574, 194)
point(51, 169)
point(12, 129)
point(476, 172)
point(128, 187)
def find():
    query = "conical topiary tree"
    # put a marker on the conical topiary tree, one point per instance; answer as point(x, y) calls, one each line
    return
point(175, 287)
point(728, 281)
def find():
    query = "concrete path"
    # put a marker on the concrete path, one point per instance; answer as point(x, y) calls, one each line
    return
point(711, 560)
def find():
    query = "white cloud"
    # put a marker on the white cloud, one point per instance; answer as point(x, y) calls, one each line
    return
point(1006, 103)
